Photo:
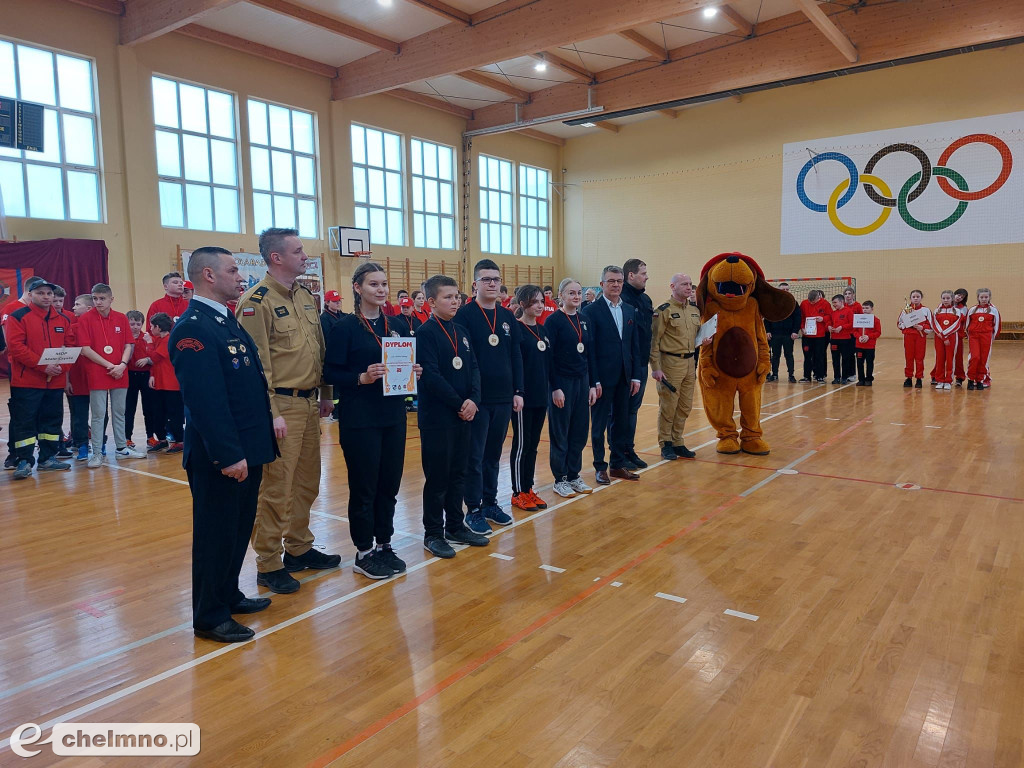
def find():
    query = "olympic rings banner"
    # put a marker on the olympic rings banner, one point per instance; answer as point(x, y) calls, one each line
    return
point(944, 184)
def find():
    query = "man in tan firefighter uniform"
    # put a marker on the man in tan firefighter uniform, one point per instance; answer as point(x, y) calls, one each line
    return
point(282, 318)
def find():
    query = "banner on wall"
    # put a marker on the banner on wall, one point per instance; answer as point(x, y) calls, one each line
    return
point(253, 268)
point(943, 184)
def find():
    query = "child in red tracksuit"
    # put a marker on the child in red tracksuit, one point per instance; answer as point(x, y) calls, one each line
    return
point(915, 339)
point(816, 309)
point(169, 416)
point(865, 340)
point(982, 329)
point(960, 302)
point(946, 325)
point(77, 388)
point(841, 330)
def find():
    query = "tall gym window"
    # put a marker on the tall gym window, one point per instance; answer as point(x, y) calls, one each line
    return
point(196, 156)
point(282, 150)
point(433, 194)
point(377, 184)
point(495, 205)
point(62, 181)
point(534, 207)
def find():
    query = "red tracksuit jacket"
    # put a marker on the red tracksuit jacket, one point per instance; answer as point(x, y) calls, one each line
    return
point(29, 331)
point(871, 333)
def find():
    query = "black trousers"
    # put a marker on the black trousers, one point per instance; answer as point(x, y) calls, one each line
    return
point(223, 511)
point(36, 418)
point(865, 365)
point(375, 458)
point(138, 386)
point(843, 358)
point(610, 415)
point(526, 428)
point(567, 430)
point(488, 430)
point(635, 402)
point(444, 454)
point(781, 344)
point(815, 364)
point(169, 414)
point(79, 406)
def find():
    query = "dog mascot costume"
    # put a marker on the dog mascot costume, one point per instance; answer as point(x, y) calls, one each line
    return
point(733, 287)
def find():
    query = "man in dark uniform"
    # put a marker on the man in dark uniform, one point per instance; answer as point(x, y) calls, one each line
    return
point(229, 436)
point(634, 293)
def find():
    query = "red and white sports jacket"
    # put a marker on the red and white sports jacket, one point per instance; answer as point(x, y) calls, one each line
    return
point(983, 320)
point(910, 330)
point(946, 322)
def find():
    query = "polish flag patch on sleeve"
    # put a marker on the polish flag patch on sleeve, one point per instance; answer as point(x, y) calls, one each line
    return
point(249, 312)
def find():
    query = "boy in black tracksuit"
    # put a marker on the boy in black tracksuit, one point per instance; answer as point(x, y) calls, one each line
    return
point(494, 333)
point(448, 402)
point(781, 336)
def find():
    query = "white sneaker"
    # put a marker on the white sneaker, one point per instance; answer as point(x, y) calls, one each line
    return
point(579, 486)
point(129, 453)
point(95, 462)
point(564, 489)
point(947, 386)
point(850, 379)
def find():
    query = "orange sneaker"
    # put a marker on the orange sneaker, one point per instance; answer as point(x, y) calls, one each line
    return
point(152, 441)
point(537, 500)
point(524, 501)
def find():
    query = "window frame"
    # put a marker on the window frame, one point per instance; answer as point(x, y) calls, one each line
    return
point(522, 225)
point(366, 166)
point(297, 196)
point(454, 200)
point(65, 167)
point(181, 132)
point(513, 194)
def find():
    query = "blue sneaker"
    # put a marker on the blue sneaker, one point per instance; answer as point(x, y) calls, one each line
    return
point(496, 514)
point(476, 523)
point(83, 453)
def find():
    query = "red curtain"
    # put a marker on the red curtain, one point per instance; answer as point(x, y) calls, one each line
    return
point(75, 265)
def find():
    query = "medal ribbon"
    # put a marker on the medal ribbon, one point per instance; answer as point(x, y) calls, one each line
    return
point(531, 331)
point(455, 347)
point(576, 327)
point(373, 333)
point(491, 323)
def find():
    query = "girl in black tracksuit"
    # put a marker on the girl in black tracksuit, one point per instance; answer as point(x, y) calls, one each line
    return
point(571, 381)
point(371, 427)
point(528, 423)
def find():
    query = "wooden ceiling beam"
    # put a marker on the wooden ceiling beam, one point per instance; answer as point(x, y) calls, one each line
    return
point(828, 28)
point(562, 65)
point(671, 114)
point(659, 52)
point(541, 136)
point(336, 26)
point(521, 31)
point(442, 9)
point(606, 126)
point(148, 19)
point(737, 19)
point(429, 101)
point(113, 7)
point(725, 65)
point(502, 86)
point(257, 49)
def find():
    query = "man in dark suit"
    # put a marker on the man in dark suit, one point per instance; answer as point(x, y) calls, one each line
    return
point(619, 365)
point(229, 436)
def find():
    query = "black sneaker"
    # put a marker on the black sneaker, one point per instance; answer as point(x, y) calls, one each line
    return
point(667, 453)
point(837, 381)
point(466, 536)
point(387, 554)
point(819, 380)
point(627, 464)
point(313, 559)
point(279, 581)
point(959, 382)
point(11, 462)
point(64, 453)
point(158, 446)
point(918, 385)
point(792, 379)
point(636, 461)
point(438, 547)
point(908, 383)
point(372, 566)
point(683, 452)
point(804, 380)
point(862, 383)
point(934, 382)
point(772, 377)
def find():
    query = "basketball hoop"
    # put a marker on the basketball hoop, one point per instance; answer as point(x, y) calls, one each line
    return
point(360, 254)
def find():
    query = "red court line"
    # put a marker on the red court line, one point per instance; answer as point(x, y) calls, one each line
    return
point(470, 667)
point(923, 487)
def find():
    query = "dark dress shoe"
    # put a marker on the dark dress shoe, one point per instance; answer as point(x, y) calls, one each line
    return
point(602, 477)
point(251, 605)
point(228, 632)
point(628, 464)
point(279, 581)
point(667, 453)
point(312, 558)
point(683, 452)
point(624, 474)
point(636, 461)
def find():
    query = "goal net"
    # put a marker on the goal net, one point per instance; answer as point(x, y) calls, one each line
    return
point(801, 286)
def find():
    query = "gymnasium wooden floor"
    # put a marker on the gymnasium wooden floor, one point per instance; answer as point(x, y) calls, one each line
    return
point(873, 625)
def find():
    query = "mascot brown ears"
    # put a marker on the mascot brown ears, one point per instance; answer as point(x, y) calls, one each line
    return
point(775, 304)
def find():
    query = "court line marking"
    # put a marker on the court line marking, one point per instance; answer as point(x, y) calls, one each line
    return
point(197, 661)
point(552, 568)
point(501, 556)
point(776, 473)
point(673, 598)
point(114, 465)
point(616, 583)
point(740, 614)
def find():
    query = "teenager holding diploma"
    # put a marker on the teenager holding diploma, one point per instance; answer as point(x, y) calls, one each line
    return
point(816, 315)
point(371, 427)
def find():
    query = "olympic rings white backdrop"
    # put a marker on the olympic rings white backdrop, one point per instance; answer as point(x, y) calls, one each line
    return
point(973, 190)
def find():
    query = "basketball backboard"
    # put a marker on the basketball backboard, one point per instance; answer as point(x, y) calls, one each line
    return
point(350, 241)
